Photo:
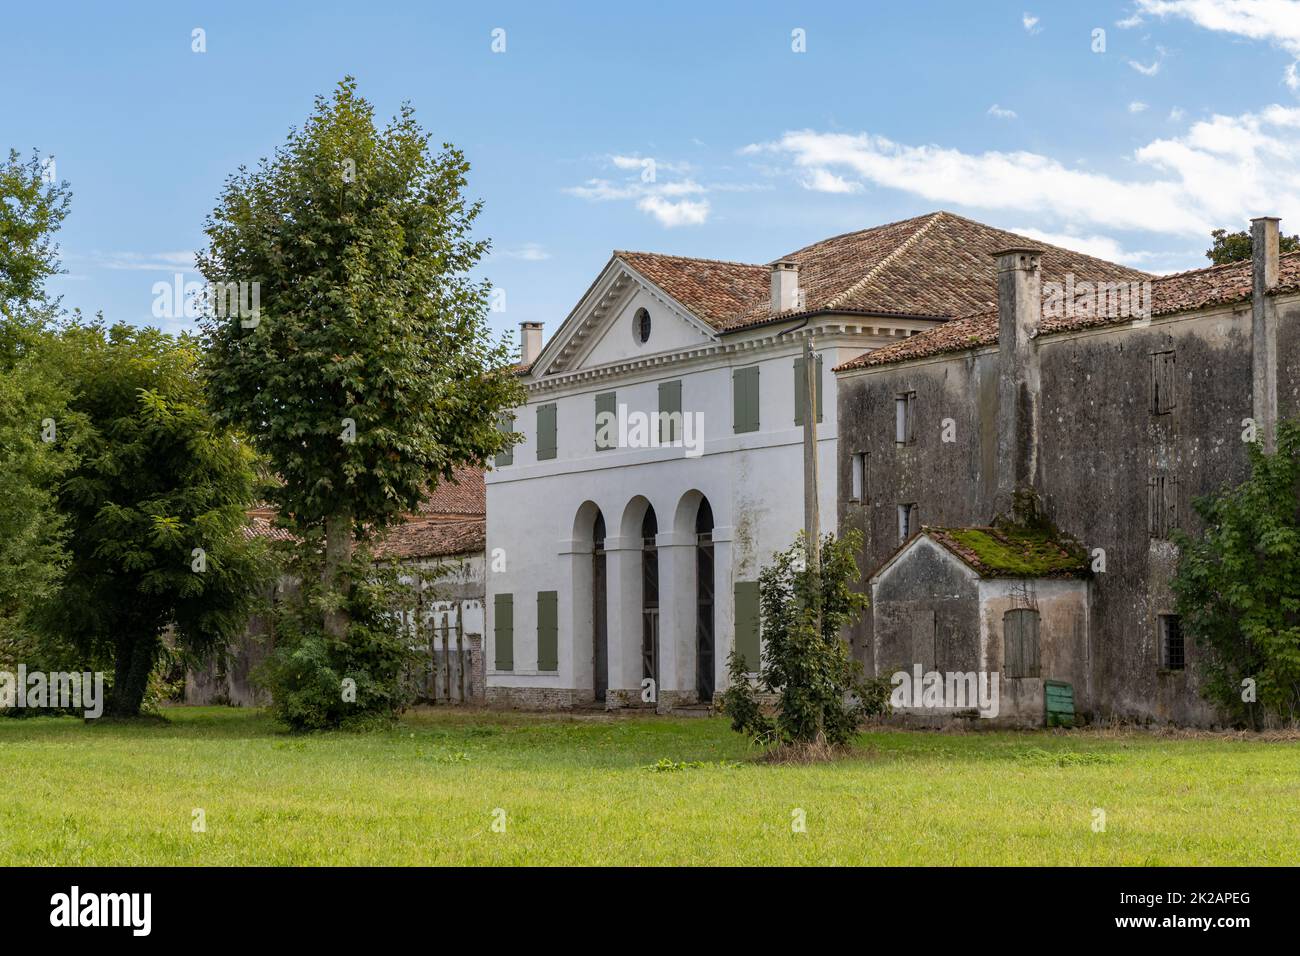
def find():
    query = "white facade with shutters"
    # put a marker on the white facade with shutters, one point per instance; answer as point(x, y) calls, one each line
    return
point(552, 641)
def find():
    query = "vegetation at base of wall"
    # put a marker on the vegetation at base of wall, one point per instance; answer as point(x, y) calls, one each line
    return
point(822, 698)
point(320, 681)
point(1238, 588)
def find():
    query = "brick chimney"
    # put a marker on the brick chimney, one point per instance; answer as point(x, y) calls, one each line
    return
point(785, 287)
point(530, 342)
point(1264, 243)
point(1020, 309)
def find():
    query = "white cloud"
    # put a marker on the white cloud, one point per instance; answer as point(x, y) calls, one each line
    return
point(1219, 172)
point(1277, 21)
point(1274, 21)
point(1129, 22)
point(825, 181)
point(528, 252)
point(1176, 114)
point(1151, 70)
point(1137, 106)
point(1103, 247)
point(685, 212)
point(1031, 24)
point(145, 261)
point(1001, 113)
point(663, 200)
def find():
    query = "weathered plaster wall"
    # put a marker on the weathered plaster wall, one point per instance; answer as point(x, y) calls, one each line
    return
point(1100, 446)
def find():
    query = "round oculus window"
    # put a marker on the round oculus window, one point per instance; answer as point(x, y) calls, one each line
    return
point(641, 326)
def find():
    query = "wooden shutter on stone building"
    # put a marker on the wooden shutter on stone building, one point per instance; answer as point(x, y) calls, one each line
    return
point(546, 444)
point(801, 388)
point(503, 630)
point(548, 630)
point(1020, 643)
point(744, 397)
point(748, 640)
point(670, 404)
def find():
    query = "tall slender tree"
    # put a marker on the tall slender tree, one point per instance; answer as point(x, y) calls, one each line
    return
point(368, 373)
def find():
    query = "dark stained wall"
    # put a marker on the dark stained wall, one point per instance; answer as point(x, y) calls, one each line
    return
point(1101, 446)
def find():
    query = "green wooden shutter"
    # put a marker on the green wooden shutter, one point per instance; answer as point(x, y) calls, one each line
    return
point(545, 432)
point(506, 423)
point(924, 639)
point(548, 631)
point(670, 403)
point(1012, 645)
point(748, 645)
point(1020, 642)
point(745, 399)
point(801, 388)
point(606, 404)
point(503, 624)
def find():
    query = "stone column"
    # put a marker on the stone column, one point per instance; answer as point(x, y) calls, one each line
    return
point(623, 606)
point(724, 606)
point(1020, 307)
point(576, 651)
point(1264, 244)
point(677, 607)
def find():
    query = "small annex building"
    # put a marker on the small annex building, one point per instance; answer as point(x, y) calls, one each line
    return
point(1008, 601)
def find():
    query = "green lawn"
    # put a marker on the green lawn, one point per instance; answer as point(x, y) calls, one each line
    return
point(578, 791)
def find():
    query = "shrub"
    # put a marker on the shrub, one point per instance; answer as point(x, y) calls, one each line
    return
point(318, 681)
point(1238, 588)
point(822, 698)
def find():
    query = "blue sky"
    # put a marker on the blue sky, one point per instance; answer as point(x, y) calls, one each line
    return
point(1189, 119)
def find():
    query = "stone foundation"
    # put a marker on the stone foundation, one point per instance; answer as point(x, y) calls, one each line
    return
point(536, 698)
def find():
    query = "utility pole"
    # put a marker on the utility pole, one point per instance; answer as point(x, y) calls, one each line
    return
point(811, 516)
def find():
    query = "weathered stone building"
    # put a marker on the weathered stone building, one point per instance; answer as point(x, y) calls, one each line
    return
point(1113, 421)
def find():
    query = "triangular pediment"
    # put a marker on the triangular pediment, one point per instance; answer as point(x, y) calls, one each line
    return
point(605, 328)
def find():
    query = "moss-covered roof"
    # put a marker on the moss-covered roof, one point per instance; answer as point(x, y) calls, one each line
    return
point(1015, 551)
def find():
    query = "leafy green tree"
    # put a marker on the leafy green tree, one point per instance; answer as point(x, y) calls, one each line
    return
point(155, 508)
point(34, 451)
point(33, 204)
point(1236, 246)
point(822, 698)
point(1238, 587)
point(369, 373)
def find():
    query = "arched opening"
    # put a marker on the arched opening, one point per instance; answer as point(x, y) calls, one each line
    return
point(704, 643)
point(599, 622)
point(589, 644)
point(650, 597)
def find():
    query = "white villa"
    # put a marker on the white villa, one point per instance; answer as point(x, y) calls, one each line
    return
point(623, 569)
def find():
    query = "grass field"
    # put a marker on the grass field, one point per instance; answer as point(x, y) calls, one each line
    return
point(578, 791)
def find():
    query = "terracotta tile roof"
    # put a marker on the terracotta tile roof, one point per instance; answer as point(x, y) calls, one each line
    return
point(936, 265)
point(1180, 292)
point(260, 526)
point(715, 291)
point(432, 538)
point(450, 521)
point(465, 494)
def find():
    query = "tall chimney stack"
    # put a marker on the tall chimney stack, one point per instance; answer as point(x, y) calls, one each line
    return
point(530, 342)
point(1020, 308)
point(785, 287)
point(1264, 246)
